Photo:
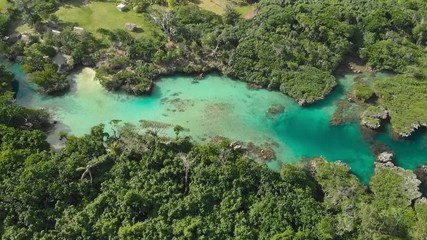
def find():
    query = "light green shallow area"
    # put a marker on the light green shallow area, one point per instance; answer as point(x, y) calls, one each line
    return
point(218, 106)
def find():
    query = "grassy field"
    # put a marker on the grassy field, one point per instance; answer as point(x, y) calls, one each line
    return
point(244, 10)
point(216, 6)
point(219, 6)
point(3, 4)
point(103, 15)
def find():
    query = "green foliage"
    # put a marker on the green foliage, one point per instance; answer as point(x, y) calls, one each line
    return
point(137, 186)
point(33, 11)
point(307, 84)
point(49, 80)
point(390, 214)
point(343, 196)
point(405, 96)
point(392, 55)
point(4, 23)
point(6, 79)
point(419, 229)
point(231, 16)
point(373, 115)
point(37, 56)
point(20, 117)
point(141, 6)
point(362, 92)
point(80, 46)
point(280, 39)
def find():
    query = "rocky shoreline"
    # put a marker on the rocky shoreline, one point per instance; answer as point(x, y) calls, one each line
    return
point(410, 182)
point(414, 127)
point(373, 115)
point(262, 152)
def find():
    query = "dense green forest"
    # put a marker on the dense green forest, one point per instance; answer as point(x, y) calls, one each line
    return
point(293, 46)
point(136, 183)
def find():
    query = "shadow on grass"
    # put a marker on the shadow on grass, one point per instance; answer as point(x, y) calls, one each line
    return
point(73, 3)
point(138, 30)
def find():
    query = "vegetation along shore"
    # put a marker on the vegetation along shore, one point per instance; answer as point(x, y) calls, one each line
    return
point(134, 182)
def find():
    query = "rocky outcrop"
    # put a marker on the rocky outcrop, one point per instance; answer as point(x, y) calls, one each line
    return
point(237, 146)
point(385, 157)
point(383, 153)
point(373, 115)
point(413, 128)
point(264, 151)
point(65, 62)
point(421, 172)
point(275, 109)
point(410, 184)
point(305, 102)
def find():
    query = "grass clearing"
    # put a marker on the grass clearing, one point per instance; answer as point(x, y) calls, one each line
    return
point(219, 6)
point(104, 15)
point(216, 6)
point(3, 4)
point(24, 28)
point(244, 10)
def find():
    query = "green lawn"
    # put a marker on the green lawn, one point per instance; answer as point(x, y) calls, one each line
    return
point(244, 10)
point(3, 4)
point(104, 15)
point(216, 6)
point(219, 6)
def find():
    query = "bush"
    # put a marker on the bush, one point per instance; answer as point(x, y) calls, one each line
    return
point(362, 92)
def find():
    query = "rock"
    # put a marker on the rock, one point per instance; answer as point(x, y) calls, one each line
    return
point(122, 7)
point(78, 30)
point(254, 86)
point(236, 146)
point(56, 32)
point(301, 102)
point(382, 151)
point(421, 172)
point(131, 27)
point(25, 38)
point(275, 109)
point(389, 164)
point(414, 127)
point(373, 115)
point(385, 157)
point(264, 152)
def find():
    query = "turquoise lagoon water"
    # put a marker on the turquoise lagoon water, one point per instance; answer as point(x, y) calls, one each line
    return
point(219, 106)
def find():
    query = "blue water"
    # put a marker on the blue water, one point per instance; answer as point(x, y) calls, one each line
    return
point(218, 106)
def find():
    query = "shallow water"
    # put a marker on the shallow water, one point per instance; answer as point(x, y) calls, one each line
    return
point(219, 106)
